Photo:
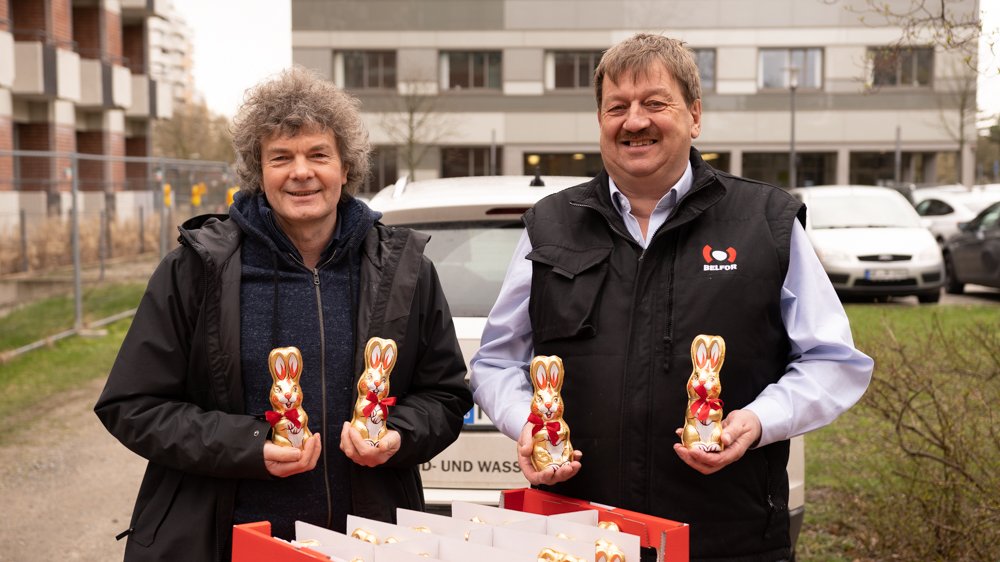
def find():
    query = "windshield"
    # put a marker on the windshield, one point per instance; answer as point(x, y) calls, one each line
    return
point(861, 210)
point(471, 259)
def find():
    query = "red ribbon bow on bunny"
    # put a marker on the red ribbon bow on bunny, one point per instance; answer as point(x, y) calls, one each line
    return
point(374, 401)
point(291, 415)
point(536, 425)
point(703, 405)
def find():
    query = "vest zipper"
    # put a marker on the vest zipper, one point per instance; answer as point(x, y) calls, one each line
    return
point(628, 341)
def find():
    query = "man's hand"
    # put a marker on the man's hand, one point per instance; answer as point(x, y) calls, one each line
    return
point(364, 453)
point(549, 475)
point(740, 430)
point(286, 461)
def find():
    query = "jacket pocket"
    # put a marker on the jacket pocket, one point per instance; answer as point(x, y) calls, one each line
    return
point(155, 498)
point(566, 287)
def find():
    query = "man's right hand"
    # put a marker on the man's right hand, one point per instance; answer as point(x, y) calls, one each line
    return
point(549, 475)
point(286, 461)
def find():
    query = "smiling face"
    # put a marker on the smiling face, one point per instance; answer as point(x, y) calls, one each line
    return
point(646, 129)
point(302, 179)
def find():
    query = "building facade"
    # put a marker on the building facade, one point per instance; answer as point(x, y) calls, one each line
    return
point(74, 77)
point(460, 87)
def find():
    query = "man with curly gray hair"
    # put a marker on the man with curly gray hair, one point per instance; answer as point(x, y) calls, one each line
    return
point(298, 261)
point(299, 100)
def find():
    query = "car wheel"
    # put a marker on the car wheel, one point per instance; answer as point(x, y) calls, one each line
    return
point(952, 284)
point(929, 298)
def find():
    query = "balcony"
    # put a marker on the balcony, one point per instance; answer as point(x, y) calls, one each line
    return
point(150, 99)
point(104, 85)
point(45, 71)
point(144, 8)
point(6, 59)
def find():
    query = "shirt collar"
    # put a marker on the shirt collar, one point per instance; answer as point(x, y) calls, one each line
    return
point(666, 203)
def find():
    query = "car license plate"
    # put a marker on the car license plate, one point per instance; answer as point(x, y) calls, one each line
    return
point(477, 417)
point(886, 274)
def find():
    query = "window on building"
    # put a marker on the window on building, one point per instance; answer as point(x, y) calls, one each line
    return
point(384, 171)
point(879, 168)
point(901, 67)
point(812, 168)
point(563, 164)
point(470, 70)
point(365, 70)
point(718, 160)
point(775, 67)
point(574, 69)
point(706, 68)
point(457, 161)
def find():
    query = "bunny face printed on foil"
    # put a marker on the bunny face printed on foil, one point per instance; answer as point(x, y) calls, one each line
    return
point(288, 419)
point(372, 406)
point(550, 434)
point(703, 417)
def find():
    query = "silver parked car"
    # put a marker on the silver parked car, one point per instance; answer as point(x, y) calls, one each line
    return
point(942, 209)
point(871, 242)
point(475, 223)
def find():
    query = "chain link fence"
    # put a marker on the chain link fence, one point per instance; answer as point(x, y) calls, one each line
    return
point(72, 224)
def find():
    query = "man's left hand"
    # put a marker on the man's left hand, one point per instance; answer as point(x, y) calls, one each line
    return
point(740, 430)
point(363, 452)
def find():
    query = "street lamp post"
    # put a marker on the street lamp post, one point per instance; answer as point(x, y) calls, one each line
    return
point(793, 84)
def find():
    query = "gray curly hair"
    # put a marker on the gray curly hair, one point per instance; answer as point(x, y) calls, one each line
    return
point(634, 56)
point(299, 100)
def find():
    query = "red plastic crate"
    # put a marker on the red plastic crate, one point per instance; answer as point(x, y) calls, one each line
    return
point(252, 542)
point(671, 539)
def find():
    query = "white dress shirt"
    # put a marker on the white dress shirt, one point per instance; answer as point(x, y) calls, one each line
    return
point(825, 376)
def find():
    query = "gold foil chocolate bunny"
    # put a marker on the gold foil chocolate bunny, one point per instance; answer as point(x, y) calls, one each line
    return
point(549, 431)
point(553, 555)
point(372, 406)
point(288, 420)
point(703, 417)
point(607, 551)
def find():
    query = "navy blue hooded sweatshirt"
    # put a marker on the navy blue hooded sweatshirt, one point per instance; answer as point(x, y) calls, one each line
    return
point(284, 303)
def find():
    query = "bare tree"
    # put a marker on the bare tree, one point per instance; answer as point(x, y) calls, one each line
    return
point(953, 25)
point(193, 133)
point(415, 125)
point(959, 97)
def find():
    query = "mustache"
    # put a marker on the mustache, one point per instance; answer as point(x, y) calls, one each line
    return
point(637, 135)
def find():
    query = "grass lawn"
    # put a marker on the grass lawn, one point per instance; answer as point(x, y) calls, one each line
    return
point(855, 467)
point(48, 317)
point(68, 362)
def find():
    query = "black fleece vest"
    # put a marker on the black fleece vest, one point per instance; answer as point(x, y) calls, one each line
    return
point(623, 321)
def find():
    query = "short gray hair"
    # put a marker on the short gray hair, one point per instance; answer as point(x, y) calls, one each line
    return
point(299, 100)
point(635, 56)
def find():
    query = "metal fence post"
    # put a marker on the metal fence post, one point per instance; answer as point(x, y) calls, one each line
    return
point(142, 230)
point(160, 181)
point(25, 262)
point(75, 226)
point(102, 243)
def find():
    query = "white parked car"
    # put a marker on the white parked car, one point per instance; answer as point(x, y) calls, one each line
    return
point(475, 223)
point(942, 210)
point(871, 242)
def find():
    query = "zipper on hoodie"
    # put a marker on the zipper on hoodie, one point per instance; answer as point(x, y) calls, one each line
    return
point(322, 380)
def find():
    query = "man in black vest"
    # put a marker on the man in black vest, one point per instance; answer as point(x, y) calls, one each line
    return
point(618, 275)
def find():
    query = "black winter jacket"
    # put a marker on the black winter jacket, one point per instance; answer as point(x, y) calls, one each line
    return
point(174, 395)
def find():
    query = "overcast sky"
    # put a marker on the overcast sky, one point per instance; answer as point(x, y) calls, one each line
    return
point(239, 42)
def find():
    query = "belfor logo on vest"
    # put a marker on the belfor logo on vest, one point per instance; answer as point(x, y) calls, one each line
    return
point(719, 260)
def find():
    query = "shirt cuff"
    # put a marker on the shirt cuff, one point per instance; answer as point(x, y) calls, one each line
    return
point(775, 422)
